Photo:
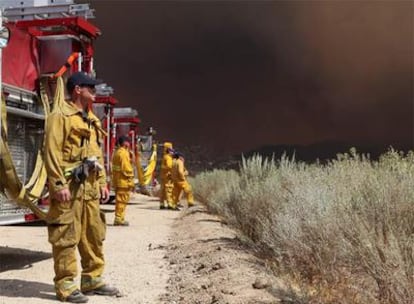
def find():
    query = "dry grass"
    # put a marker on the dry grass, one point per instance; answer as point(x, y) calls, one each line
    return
point(345, 228)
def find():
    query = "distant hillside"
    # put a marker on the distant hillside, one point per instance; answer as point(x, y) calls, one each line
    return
point(323, 150)
point(199, 160)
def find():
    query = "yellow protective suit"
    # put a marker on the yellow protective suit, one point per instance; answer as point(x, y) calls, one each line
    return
point(78, 223)
point(179, 177)
point(146, 175)
point(140, 171)
point(167, 184)
point(149, 170)
point(122, 181)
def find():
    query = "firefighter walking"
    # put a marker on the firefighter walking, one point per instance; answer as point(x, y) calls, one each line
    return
point(179, 177)
point(122, 179)
point(167, 184)
point(77, 184)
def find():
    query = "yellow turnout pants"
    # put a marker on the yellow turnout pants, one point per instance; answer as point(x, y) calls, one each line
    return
point(78, 224)
point(122, 196)
point(182, 187)
point(167, 187)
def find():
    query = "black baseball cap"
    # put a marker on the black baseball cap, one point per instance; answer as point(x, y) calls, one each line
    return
point(178, 154)
point(81, 79)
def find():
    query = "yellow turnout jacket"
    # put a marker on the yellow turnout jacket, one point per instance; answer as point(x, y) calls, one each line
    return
point(122, 170)
point(166, 166)
point(70, 139)
point(179, 172)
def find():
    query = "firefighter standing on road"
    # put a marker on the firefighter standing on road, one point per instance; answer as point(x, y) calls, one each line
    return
point(167, 184)
point(122, 179)
point(179, 177)
point(77, 183)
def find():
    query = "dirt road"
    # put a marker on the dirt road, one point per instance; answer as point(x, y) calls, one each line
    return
point(162, 257)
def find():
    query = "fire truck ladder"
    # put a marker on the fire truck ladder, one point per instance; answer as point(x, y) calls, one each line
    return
point(16, 12)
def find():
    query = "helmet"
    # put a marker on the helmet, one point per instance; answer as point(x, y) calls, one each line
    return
point(167, 145)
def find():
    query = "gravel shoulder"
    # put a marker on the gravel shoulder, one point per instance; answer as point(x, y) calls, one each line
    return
point(162, 257)
point(26, 267)
point(209, 264)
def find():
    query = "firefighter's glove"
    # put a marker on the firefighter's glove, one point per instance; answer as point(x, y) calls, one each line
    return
point(92, 164)
point(80, 174)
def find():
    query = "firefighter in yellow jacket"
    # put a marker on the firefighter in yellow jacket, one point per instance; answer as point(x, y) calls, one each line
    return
point(77, 184)
point(122, 179)
point(167, 184)
point(179, 176)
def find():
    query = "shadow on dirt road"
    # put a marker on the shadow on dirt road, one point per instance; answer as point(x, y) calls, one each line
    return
point(26, 289)
point(17, 258)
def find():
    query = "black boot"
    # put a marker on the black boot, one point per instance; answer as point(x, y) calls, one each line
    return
point(124, 223)
point(104, 290)
point(76, 297)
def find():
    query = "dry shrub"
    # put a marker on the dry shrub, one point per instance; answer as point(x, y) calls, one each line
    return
point(215, 188)
point(345, 227)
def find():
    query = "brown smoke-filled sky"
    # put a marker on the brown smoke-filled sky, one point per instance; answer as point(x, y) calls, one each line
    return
point(237, 75)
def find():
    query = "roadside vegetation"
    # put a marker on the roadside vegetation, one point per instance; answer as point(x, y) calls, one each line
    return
point(340, 232)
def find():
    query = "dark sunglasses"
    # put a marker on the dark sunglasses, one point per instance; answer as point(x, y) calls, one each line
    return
point(91, 88)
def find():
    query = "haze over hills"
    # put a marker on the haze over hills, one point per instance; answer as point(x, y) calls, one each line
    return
point(198, 159)
point(236, 75)
point(324, 150)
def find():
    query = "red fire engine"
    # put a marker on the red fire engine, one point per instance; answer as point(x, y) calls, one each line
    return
point(104, 110)
point(44, 40)
point(126, 123)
